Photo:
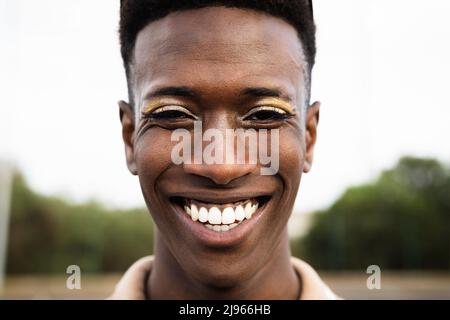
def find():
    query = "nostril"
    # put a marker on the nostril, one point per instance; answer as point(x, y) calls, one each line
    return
point(220, 174)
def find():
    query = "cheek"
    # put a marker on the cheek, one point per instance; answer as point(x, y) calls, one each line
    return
point(152, 154)
point(291, 155)
point(292, 151)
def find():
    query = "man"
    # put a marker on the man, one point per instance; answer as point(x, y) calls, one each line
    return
point(229, 66)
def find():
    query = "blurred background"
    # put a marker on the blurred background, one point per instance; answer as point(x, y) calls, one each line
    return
point(378, 194)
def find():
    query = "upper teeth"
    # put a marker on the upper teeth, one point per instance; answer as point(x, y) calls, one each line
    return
point(228, 216)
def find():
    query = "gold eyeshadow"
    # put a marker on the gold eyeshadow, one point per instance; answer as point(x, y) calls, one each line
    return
point(277, 103)
point(161, 105)
point(268, 108)
point(155, 104)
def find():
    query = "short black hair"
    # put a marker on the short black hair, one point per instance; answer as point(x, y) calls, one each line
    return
point(136, 14)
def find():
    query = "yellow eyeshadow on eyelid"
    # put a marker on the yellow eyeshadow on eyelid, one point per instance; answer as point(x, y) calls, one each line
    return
point(273, 102)
point(153, 105)
point(278, 103)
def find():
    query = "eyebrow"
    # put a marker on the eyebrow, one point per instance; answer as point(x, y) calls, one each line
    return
point(258, 92)
point(173, 91)
point(188, 92)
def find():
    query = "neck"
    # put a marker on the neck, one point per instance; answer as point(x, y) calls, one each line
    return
point(277, 279)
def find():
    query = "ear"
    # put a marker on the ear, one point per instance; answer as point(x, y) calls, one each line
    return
point(312, 120)
point(127, 119)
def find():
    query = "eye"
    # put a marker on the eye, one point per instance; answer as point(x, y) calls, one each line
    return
point(267, 113)
point(170, 112)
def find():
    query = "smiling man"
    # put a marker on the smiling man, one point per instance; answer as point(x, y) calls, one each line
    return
point(230, 66)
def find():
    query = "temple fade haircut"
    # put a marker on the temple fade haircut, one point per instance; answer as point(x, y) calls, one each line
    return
point(136, 14)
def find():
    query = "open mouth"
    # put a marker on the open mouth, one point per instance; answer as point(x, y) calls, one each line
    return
point(221, 217)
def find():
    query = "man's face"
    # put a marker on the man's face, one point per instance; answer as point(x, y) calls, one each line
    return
point(220, 65)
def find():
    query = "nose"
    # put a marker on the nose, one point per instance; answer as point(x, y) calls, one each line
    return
point(221, 174)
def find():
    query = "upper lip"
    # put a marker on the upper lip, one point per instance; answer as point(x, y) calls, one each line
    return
point(219, 197)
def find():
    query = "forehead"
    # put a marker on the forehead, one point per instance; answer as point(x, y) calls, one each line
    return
point(218, 48)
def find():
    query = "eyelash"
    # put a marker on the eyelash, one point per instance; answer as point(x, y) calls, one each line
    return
point(272, 113)
point(169, 113)
point(175, 112)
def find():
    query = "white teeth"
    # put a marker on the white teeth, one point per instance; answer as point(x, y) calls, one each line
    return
point(228, 215)
point(188, 210)
point(214, 216)
point(194, 212)
point(239, 213)
point(253, 209)
point(203, 215)
point(226, 218)
point(248, 210)
point(221, 228)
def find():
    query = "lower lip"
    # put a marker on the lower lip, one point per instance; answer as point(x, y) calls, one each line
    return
point(220, 239)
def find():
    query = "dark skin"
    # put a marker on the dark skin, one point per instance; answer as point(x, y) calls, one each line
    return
point(217, 53)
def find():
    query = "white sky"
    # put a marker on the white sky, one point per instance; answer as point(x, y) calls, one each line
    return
point(382, 74)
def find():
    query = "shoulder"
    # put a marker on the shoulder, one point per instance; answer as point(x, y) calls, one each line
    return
point(132, 284)
point(313, 287)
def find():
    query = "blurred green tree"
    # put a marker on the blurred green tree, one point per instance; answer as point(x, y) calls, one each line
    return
point(400, 221)
point(47, 234)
